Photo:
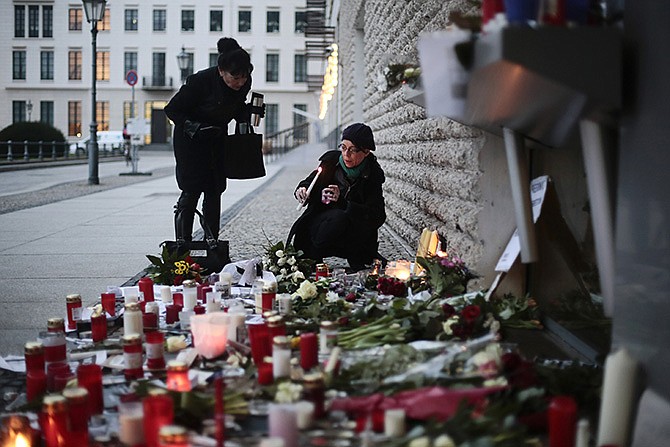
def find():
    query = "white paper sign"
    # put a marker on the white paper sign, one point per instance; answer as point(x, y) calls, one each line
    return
point(538, 189)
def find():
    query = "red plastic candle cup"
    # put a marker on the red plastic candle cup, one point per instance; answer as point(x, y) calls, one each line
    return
point(36, 384)
point(177, 376)
point(77, 406)
point(53, 421)
point(309, 350)
point(146, 286)
point(99, 327)
point(143, 306)
point(149, 322)
point(172, 313)
point(34, 355)
point(54, 370)
point(265, 376)
point(132, 356)
point(108, 301)
point(61, 379)
point(205, 291)
point(199, 309)
point(259, 341)
point(55, 350)
point(155, 351)
point(89, 376)
point(74, 310)
point(562, 421)
point(158, 411)
point(178, 299)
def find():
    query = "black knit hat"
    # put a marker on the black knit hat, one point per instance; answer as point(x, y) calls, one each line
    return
point(361, 135)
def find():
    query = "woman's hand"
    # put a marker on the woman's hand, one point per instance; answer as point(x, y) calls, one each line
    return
point(301, 194)
point(331, 193)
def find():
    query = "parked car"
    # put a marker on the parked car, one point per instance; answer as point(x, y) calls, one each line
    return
point(111, 141)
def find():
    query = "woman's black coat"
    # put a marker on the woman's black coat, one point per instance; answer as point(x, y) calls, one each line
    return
point(207, 100)
point(361, 199)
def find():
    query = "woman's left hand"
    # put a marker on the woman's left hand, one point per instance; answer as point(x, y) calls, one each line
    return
point(329, 194)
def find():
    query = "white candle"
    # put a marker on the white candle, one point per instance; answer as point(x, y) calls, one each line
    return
point(309, 189)
point(305, 414)
point(190, 298)
point(212, 306)
point(282, 422)
point(166, 294)
point(284, 303)
point(226, 277)
point(617, 398)
point(185, 319)
point(131, 428)
point(394, 422)
point(235, 320)
point(281, 359)
point(151, 306)
point(583, 433)
point(130, 298)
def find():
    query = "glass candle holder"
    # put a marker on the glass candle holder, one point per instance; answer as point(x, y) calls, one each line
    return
point(55, 370)
point(34, 356)
point(199, 309)
point(276, 326)
point(172, 313)
point(132, 356)
point(268, 295)
point(177, 376)
point(309, 351)
point(89, 376)
point(265, 376)
point(146, 286)
point(281, 357)
point(56, 325)
point(173, 436)
point(259, 341)
point(314, 391)
point(562, 421)
point(36, 384)
point(322, 271)
point(15, 430)
point(99, 327)
point(178, 299)
point(74, 310)
point(166, 294)
point(78, 415)
point(155, 350)
point(190, 291)
point(53, 421)
point(327, 337)
point(149, 322)
point(158, 412)
point(131, 427)
point(282, 423)
point(132, 319)
point(108, 301)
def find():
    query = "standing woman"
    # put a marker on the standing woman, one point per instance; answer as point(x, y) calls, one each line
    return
point(201, 111)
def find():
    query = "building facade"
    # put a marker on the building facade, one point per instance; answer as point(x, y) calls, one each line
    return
point(48, 51)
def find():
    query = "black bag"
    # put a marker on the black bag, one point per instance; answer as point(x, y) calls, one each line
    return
point(243, 155)
point(210, 253)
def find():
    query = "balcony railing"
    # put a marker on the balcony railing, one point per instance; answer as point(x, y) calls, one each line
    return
point(157, 83)
point(280, 143)
point(19, 152)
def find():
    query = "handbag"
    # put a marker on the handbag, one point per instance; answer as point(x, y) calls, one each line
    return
point(210, 253)
point(243, 155)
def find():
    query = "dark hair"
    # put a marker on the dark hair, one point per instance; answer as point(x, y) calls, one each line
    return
point(236, 62)
point(226, 45)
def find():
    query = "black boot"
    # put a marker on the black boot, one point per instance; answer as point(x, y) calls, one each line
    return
point(183, 224)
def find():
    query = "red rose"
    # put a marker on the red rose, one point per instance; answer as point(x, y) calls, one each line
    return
point(471, 312)
point(448, 310)
point(351, 297)
point(178, 279)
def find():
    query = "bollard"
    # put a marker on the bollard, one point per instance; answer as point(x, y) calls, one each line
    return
point(26, 156)
point(10, 157)
point(40, 151)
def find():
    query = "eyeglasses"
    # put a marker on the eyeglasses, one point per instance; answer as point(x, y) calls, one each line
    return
point(350, 149)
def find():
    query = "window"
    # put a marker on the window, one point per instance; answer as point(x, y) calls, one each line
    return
point(129, 61)
point(75, 19)
point(18, 64)
point(102, 115)
point(102, 66)
point(272, 68)
point(47, 21)
point(158, 69)
point(244, 21)
point(187, 20)
point(300, 21)
point(47, 65)
point(216, 20)
point(33, 21)
point(271, 119)
point(272, 22)
point(74, 65)
point(19, 21)
point(18, 111)
point(47, 112)
point(298, 119)
point(300, 68)
point(130, 20)
point(74, 118)
point(160, 19)
point(128, 111)
point(213, 59)
point(105, 24)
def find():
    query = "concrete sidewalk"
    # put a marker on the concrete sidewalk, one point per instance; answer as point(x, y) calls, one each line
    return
point(84, 244)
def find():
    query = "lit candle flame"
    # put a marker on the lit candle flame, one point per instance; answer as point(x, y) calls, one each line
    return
point(21, 441)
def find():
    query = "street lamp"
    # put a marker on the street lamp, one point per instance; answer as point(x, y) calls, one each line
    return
point(182, 61)
point(29, 109)
point(95, 10)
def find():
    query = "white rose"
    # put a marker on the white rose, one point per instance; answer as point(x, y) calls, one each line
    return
point(332, 296)
point(283, 271)
point(279, 253)
point(298, 275)
point(444, 441)
point(291, 260)
point(446, 326)
point(423, 441)
point(281, 261)
point(176, 343)
point(307, 290)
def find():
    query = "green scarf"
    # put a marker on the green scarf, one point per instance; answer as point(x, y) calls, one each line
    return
point(355, 172)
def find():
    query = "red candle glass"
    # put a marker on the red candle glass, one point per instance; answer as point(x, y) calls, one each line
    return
point(177, 376)
point(154, 350)
point(276, 326)
point(53, 421)
point(99, 327)
point(55, 350)
point(61, 379)
point(562, 421)
point(89, 376)
point(309, 351)
point(74, 310)
point(259, 339)
point(199, 309)
point(56, 325)
point(219, 411)
point(108, 301)
point(178, 299)
point(172, 313)
point(36, 384)
point(78, 415)
point(265, 376)
point(158, 411)
point(132, 356)
point(54, 370)
point(322, 271)
point(314, 391)
point(146, 286)
point(149, 322)
point(34, 355)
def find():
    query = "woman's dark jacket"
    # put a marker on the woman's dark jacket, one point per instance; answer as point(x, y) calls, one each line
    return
point(362, 200)
point(204, 100)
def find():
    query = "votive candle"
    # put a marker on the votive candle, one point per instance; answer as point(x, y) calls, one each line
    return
point(305, 414)
point(166, 294)
point(99, 327)
point(172, 313)
point(259, 341)
point(108, 301)
point(78, 415)
point(36, 384)
point(282, 422)
point(89, 376)
point(265, 376)
point(154, 350)
point(178, 299)
point(617, 398)
point(53, 421)
point(132, 319)
point(158, 411)
point(190, 292)
point(146, 285)
point(562, 421)
point(131, 427)
point(177, 376)
point(132, 356)
point(394, 422)
point(309, 351)
point(149, 322)
point(34, 356)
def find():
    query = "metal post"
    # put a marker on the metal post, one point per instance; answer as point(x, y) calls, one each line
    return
point(92, 145)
